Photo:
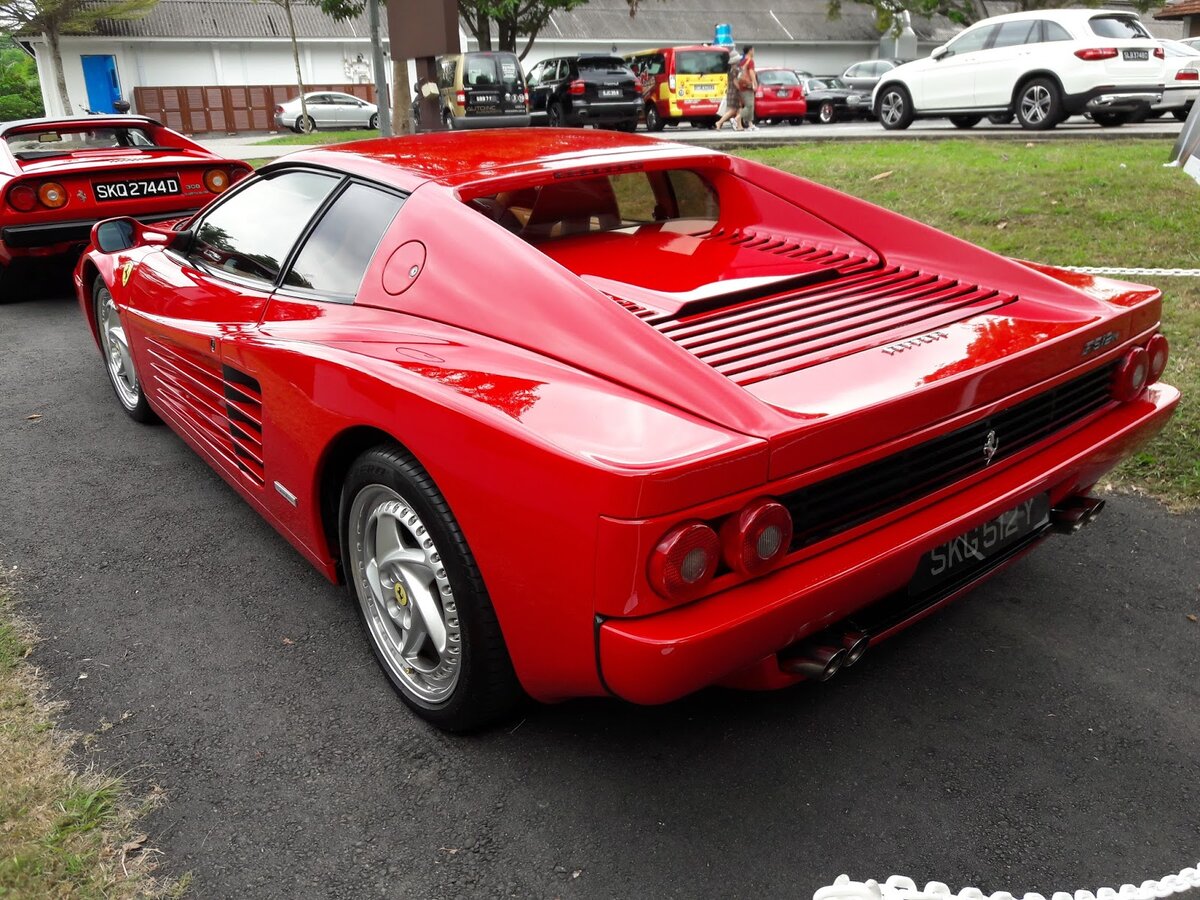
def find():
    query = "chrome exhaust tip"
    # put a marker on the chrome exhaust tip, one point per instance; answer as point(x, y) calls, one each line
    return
point(1074, 513)
point(856, 644)
point(816, 662)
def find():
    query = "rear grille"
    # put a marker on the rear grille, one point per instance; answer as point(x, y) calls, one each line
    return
point(828, 507)
point(864, 307)
point(791, 248)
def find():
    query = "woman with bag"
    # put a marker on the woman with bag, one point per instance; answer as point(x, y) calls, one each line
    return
point(731, 104)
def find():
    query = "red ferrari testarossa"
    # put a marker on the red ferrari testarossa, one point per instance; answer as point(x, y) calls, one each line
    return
point(578, 413)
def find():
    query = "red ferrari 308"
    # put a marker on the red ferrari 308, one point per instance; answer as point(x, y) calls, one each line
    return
point(58, 177)
point(577, 413)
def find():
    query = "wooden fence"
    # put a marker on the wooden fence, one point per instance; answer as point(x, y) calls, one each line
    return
point(197, 110)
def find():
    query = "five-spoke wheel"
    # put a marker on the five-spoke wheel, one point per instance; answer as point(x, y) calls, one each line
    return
point(894, 109)
point(118, 359)
point(1039, 105)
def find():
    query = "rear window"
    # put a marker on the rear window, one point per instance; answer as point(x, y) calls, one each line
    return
point(1118, 27)
point(602, 64)
point(701, 62)
point(606, 203)
point(778, 76)
point(487, 69)
point(60, 140)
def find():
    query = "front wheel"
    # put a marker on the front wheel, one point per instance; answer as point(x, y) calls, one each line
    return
point(827, 113)
point(629, 127)
point(554, 116)
point(118, 358)
point(1039, 105)
point(1000, 118)
point(965, 121)
point(895, 110)
point(1181, 114)
point(654, 121)
point(422, 599)
point(373, 122)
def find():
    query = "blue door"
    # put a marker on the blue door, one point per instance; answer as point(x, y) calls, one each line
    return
point(103, 88)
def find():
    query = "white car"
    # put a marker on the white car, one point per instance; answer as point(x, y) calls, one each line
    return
point(1040, 66)
point(1181, 84)
point(327, 109)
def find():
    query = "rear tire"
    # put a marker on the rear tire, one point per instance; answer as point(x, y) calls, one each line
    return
point(827, 114)
point(1110, 119)
point(894, 108)
point(1181, 114)
point(796, 120)
point(420, 595)
point(373, 122)
point(628, 127)
point(1000, 118)
point(965, 121)
point(654, 121)
point(305, 125)
point(1039, 105)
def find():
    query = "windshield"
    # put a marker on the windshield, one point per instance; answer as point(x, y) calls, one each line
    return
point(602, 64)
point(778, 76)
point(702, 62)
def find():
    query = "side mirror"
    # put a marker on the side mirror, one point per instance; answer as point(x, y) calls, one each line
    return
point(114, 235)
point(939, 52)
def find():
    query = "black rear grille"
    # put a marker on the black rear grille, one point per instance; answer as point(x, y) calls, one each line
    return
point(828, 507)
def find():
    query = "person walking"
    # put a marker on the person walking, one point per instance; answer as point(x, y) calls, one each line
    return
point(733, 96)
point(747, 85)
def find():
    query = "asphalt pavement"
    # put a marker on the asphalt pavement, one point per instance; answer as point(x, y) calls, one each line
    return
point(1042, 734)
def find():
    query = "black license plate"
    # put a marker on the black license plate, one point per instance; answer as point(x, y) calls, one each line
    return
point(1136, 55)
point(134, 188)
point(973, 549)
point(485, 99)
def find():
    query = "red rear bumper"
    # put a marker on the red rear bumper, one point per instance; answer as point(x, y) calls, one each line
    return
point(658, 658)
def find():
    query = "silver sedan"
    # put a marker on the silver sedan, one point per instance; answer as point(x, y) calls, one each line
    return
point(327, 109)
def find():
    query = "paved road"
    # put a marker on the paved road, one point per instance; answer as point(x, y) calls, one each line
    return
point(1043, 734)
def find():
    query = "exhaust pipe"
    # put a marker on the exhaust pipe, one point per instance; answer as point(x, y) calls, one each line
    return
point(816, 662)
point(856, 644)
point(1074, 512)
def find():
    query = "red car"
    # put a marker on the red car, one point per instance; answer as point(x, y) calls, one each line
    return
point(58, 177)
point(779, 97)
point(580, 413)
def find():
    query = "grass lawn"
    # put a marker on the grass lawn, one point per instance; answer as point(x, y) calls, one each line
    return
point(1071, 203)
point(62, 833)
point(319, 137)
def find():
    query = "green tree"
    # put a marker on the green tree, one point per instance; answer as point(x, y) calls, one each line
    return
point(54, 18)
point(513, 18)
point(20, 91)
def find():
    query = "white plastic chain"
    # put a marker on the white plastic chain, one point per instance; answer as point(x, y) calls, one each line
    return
point(900, 888)
point(1100, 270)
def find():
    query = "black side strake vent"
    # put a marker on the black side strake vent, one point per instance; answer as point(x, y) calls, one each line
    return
point(243, 406)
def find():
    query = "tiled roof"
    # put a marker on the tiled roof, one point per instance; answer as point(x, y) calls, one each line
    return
point(232, 19)
point(1179, 10)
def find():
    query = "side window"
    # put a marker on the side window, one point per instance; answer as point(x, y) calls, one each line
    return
point(1013, 34)
point(251, 233)
point(446, 69)
point(854, 71)
point(1052, 31)
point(970, 41)
point(335, 257)
point(535, 75)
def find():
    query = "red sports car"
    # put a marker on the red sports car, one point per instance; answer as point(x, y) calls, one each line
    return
point(579, 413)
point(58, 177)
point(780, 97)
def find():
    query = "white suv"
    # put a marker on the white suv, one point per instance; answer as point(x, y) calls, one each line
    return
point(1040, 66)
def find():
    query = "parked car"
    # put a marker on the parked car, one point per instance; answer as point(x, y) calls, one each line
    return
point(590, 89)
point(581, 413)
point(779, 97)
point(1181, 79)
point(58, 176)
point(681, 84)
point(829, 100)
point(327, 109)
point(1040, 66)
point(482, 89)
point(863, 76)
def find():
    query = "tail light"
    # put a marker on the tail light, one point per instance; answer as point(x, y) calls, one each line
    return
point(1158, 351)
point(1159, 53)
point(757, 537)
point(237, 175)
point(22, 198)
point(577, 88)
point(758, 92)
point(1187, 75)
point(671, 83)
point(1132, 375)
point(460, 97)
point(216, 180)
point(278, 110)
point(53, 195)
point(526, 98)
point(685, 560)
point(1094, 53)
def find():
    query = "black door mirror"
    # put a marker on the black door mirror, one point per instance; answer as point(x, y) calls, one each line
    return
point(114, 235)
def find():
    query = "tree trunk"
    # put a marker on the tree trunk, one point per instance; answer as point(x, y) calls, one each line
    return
point(402, 122)
point(483, 30)
point(59, 75)
point(287, 6)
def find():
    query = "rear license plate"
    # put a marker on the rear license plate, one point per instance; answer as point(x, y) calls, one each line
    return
point(1136, 55)
point(974, 548)
point(607, 93)
point(783, 92)
point(485, 99)
point(140, 187)
point(704, 88)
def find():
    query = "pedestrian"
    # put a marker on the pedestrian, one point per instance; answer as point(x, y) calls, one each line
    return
point(748, 84)
point(732, 104)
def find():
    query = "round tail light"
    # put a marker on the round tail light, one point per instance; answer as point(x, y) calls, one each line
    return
point(757, 537)
point(684, 561)
point(22, 198)
point(237, 175)
point(53, 195)
point(1132, 375)
point(216, 180)
point(1159, 352)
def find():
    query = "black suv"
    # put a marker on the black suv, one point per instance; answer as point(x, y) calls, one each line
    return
point(584, 90)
